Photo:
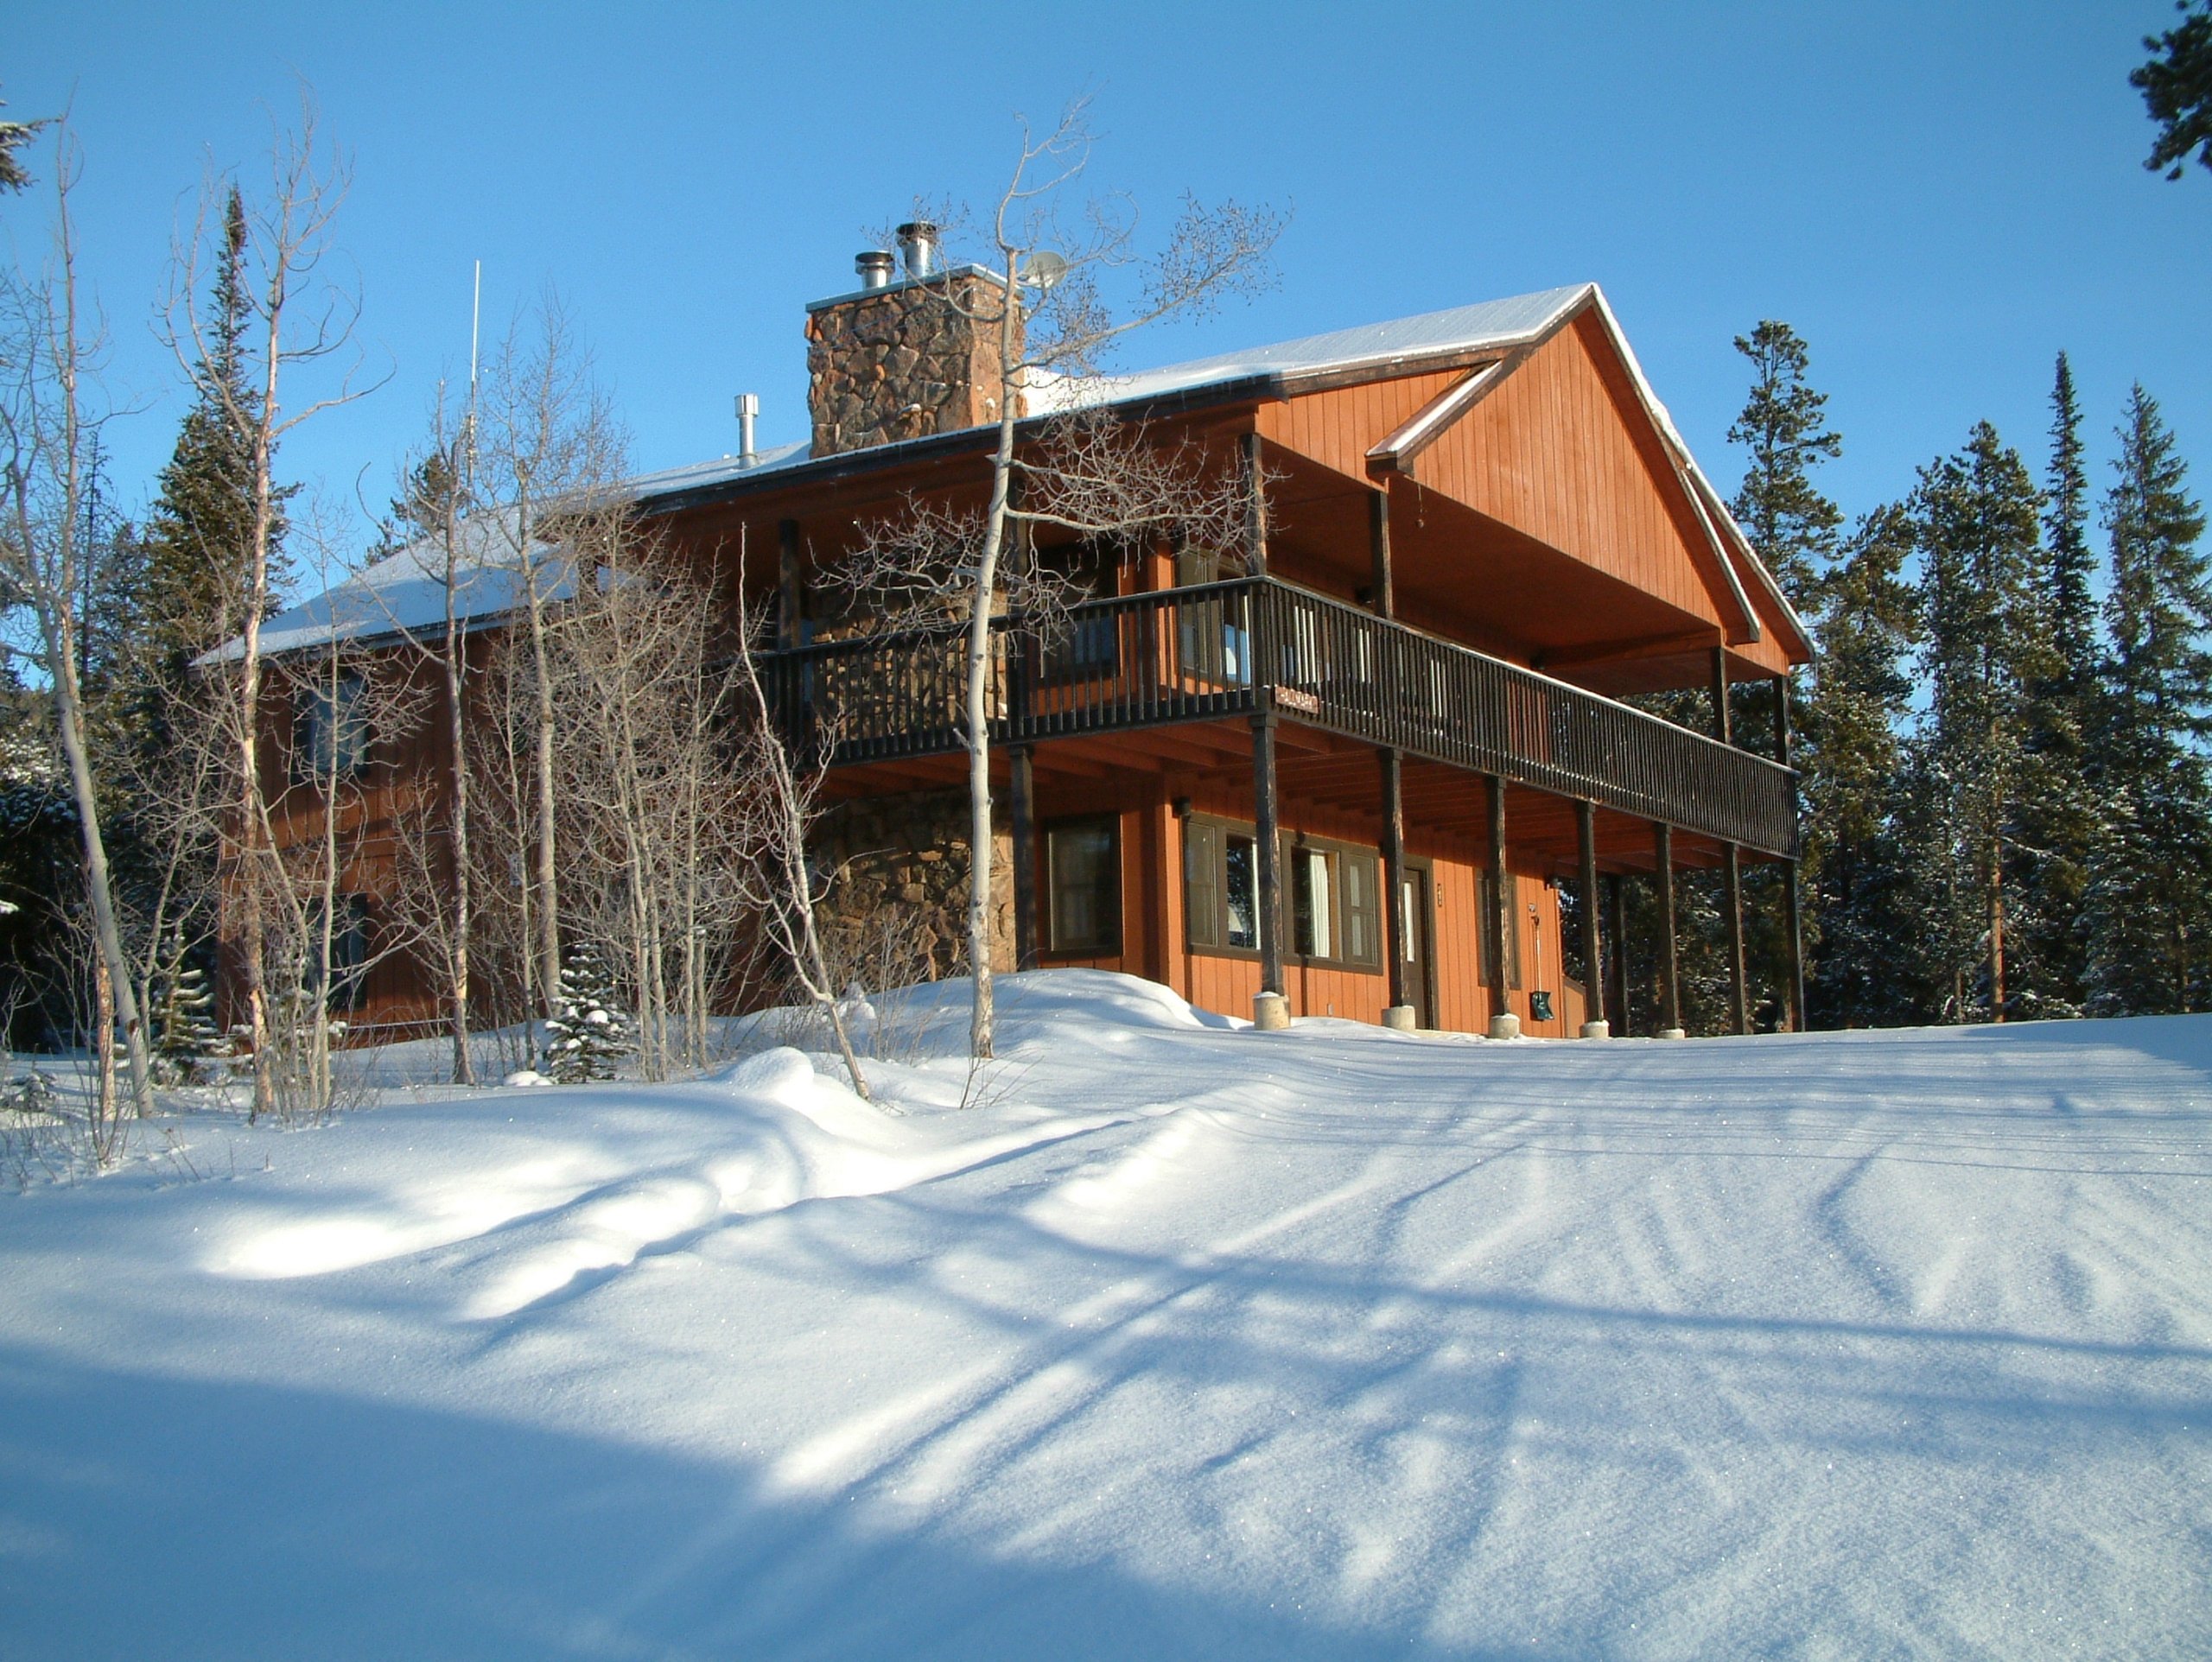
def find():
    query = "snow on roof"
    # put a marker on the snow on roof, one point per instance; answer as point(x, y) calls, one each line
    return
point(403, 592)
point(697, 475)
point(1462, 328)
point(409, 597)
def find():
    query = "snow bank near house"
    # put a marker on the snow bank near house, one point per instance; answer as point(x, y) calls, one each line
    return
point(1188, 1341)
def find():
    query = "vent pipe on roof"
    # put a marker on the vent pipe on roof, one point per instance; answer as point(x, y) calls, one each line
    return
point(918, 247)
point(748, 408)
point(875, 267)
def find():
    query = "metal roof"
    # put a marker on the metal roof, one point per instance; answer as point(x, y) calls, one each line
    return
point(1463, 329)
point(403, 591)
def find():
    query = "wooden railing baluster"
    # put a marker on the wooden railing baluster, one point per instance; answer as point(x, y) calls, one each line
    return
point(1204, 652)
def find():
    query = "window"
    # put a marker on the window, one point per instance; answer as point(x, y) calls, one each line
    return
point(1091, 645)
point(1242, 890)
point(1210, 634)
point(349, 954)
point(1082, 861)
point(1335, 895)
point(1362, 910)
point(1313, 903)
point(330, 735)
point(1203, 871)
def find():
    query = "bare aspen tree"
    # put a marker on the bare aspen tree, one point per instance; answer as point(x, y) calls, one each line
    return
point(297, 320)
point(544, 444)
point(45, 429)
point(651, 805)
point(783, 892)
point(437, 497)
point(178, 800)
point(357, 703)
point(1054, 329)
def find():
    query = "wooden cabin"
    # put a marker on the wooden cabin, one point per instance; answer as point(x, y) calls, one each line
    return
point(1346, 767)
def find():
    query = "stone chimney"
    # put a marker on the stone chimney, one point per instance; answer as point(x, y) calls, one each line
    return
point(902, 358)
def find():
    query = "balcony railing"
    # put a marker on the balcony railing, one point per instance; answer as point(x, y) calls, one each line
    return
point(1219, 650)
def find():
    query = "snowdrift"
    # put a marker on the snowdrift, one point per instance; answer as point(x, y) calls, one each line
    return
point(1186, 1341)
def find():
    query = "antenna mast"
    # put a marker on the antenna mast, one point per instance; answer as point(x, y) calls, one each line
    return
point(475, 321)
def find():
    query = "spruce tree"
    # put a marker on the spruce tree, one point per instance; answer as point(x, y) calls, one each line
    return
point(2066, 520)
point(2058, 812)
point(2177, 88)
point(2145, 914)
point(1984, 646)
point(1853, 762)
point(183, 586)
point(184, 1026)
point(199, 534)
point(1792, 526)
point(15, 136)
point(1784, 426)
point(589, 1033)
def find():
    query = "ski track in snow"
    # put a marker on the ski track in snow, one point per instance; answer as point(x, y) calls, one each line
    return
point(1192, 1341)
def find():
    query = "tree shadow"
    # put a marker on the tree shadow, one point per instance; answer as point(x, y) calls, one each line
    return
point(199, 1518)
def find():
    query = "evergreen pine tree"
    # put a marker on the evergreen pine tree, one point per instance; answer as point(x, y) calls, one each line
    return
point(1852, 767)
point(2177, 88)
point(199, 534)
point(590, 1033)
point(2146, 913)
point(184, 1026)
point(178, 587)
point(1784, 426)
point(2066, 520)
point(1794, 527)
point(15, 136)
point(2058, 810)
point(1985, 647)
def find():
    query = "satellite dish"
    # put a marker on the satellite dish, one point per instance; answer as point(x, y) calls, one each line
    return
point(1045, 268)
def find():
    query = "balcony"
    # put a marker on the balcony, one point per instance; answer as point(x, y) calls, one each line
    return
point(1232, 648)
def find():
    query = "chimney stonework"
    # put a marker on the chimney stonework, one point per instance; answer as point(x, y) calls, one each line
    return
point(903, 361)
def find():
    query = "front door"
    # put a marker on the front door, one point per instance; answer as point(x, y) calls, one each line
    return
point(1414, 924)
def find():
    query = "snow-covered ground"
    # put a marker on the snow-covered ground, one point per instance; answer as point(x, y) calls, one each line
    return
point(1189, 1341)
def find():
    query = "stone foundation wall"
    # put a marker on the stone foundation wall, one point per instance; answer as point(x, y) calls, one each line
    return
point(897, 909)
point(901, 362)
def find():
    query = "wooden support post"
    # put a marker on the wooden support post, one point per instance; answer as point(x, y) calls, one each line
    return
point(1723, 728)
point(788, 600)
point(1793, 922)
point(1594, 1025)
point(1497, 926)
point(1617, 961)
point(1670, 962)
point(1270, 1008)
point(1378, 540)
point(1740, 986)
point(1255, 508)
point(1022, 811)
point(1400, 1013)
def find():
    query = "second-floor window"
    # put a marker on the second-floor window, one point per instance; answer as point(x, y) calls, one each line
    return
point(330, 735)
point(1211, 636)
point(1090, 646)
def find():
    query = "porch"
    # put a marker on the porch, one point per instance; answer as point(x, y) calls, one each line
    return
point(1349, 706)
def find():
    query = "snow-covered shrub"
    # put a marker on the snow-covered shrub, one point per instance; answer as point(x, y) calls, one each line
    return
point(186, 1038)
point(589, 1033)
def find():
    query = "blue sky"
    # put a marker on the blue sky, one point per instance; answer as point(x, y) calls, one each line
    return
point(1939, 198)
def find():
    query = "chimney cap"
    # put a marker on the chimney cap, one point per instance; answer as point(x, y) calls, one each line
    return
point(875, 265)
point(917, 245)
